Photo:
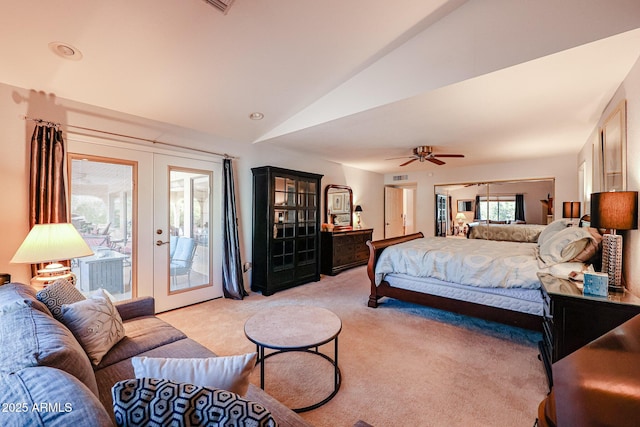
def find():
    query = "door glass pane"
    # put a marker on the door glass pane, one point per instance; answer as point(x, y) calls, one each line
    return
point(189, 219)
point(102, 197)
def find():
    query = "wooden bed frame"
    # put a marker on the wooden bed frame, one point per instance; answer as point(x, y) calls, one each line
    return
point(509, 317)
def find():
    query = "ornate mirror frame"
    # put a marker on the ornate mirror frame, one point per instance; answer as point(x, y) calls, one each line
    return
point(338, 202)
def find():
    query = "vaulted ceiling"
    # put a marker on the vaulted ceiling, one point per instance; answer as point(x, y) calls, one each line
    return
point(356, 82)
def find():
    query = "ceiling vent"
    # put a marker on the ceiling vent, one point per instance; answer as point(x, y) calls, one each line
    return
point(222, 5)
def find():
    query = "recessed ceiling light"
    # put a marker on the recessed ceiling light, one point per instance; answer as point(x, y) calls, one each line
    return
point(65, 50)
point(256, 116)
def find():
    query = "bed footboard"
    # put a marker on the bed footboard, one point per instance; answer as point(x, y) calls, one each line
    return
point(375, 249)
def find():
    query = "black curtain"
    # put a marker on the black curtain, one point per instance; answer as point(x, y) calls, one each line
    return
point(232, 280)
point(520, 207)
point(476, 214)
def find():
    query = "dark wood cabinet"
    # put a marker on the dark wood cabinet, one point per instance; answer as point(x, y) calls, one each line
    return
point(286, 228)
point(342, 250)
point(572, 319)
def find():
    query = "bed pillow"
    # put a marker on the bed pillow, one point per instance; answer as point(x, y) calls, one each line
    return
point(58, 293)
point(95, 323)
point(227, 373)
point(148, 401)
point(564, 245)
point(551, 229)
point(590, 252)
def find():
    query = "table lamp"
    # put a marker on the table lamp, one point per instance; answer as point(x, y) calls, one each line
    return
point(51, 243)
point(461, 218)
point(571, 210)
point(358, 211)
point(616, 210)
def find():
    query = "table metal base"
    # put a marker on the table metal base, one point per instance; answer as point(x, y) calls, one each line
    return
point(313, 350)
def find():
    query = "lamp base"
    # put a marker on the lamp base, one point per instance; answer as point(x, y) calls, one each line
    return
point(50, 274)
point(612, 261)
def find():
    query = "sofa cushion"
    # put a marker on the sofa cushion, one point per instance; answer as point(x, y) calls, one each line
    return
point(147, 401)
point(95, 323)
point(28, 338)
point(43, 396)
point(227, 373)
point(57, 294)
point(141, 334)
point(13, 295)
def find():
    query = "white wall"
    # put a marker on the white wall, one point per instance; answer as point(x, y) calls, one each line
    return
point(629, 90)
point(564, 169)
point(15, 135)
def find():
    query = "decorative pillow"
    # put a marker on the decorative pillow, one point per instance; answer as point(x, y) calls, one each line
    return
point(552, 229)
point(148, 401)
point(590, 252)
point(58, 293)
point(95, 323)
point(227, 373)
point(564, 245)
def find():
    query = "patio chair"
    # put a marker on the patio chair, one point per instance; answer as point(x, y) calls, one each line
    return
point(182, 259)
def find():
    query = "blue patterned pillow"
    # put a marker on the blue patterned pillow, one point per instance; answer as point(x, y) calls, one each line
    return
point(58, 293)
point(148, 401)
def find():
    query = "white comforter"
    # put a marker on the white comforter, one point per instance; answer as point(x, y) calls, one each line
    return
point(474, 262)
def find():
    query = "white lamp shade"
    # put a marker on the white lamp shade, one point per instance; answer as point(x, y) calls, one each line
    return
point(460, 216)
point(50, 243)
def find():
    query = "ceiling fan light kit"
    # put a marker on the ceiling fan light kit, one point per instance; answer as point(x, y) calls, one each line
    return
point(425, 152)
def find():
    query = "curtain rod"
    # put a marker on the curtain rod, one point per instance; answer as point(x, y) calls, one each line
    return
point(57, 125)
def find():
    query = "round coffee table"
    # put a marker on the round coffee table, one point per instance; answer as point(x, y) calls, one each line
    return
point(295, 328)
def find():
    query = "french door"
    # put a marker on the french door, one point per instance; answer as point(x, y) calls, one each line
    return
point(153, 219)
point(187, 232)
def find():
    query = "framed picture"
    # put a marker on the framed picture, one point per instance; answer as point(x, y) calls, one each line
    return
point(613, 140)
point(337, 203)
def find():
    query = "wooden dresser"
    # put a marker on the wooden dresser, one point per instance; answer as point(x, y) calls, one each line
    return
point(342, 250)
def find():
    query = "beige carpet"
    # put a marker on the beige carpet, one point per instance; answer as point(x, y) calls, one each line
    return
point(402, 364)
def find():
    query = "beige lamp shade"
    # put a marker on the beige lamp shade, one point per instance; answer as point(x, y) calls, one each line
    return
point(50, 243)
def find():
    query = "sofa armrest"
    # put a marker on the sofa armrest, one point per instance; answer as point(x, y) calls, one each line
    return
point(142, 306)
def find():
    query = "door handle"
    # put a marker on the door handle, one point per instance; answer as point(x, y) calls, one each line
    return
point(160, 243)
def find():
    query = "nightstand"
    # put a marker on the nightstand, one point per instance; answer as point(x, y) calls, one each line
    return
point(572, 319)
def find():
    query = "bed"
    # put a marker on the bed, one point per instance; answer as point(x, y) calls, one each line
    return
point(493, 280)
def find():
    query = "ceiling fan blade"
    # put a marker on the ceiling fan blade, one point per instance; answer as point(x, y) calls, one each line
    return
point(436, 161)
point(402, 157)
point(448, 155)
point(410, 161)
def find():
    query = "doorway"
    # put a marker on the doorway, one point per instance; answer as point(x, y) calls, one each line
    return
point(122, 196)
point(399, 210)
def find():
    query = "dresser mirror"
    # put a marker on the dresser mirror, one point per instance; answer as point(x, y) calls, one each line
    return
point(338, 201)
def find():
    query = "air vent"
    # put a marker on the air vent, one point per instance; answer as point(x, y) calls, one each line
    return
point(400, 177)
point(222, 5)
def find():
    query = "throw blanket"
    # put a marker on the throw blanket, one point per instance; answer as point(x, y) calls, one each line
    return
point(473, 262)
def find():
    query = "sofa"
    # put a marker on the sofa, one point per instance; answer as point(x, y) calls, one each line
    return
point(47, 378)
point(598, 384)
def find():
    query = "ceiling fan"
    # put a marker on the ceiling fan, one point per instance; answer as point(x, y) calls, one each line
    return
point(425, 152)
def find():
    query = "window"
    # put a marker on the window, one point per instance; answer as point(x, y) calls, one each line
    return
point(498, 208)
point(102, 206)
